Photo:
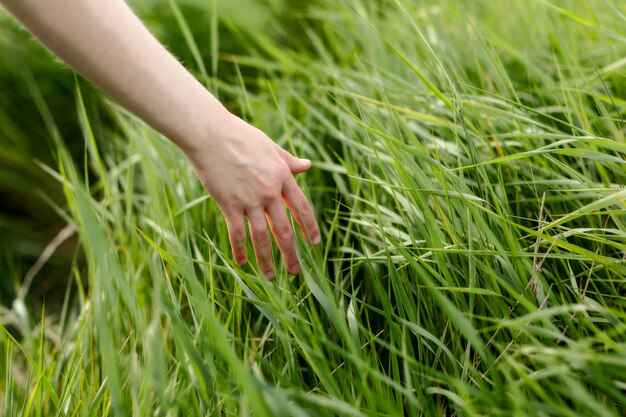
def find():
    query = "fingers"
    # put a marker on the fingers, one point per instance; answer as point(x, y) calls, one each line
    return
point(272, 210)
point(283, 234)
point(296, 165)
point(302, 211)
point(261, 241)
point(237, 237)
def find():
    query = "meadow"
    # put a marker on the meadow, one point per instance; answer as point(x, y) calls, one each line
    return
point(468, 179)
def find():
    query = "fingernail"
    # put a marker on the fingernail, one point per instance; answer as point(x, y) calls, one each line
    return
point(294, 269)
point(316, 240)
point(269, 274)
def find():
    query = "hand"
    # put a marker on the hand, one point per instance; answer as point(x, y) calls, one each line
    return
point(248, 175)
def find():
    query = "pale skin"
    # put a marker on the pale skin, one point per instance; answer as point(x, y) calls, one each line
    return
point(244, 171)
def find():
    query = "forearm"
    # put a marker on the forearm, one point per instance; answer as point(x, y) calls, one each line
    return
point(105, 42)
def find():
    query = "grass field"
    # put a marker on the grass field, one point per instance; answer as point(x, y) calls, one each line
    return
point(469, 171)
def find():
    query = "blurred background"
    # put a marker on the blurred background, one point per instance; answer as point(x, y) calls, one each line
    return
point(484, 138)
point(37, 102)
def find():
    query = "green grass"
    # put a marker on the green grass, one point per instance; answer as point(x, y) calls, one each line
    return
point(468, 179)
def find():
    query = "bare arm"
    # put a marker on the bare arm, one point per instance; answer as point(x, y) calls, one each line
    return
point(104, 41)
point(244, 171)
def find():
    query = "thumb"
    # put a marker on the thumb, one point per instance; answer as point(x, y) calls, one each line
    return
point(296, 165)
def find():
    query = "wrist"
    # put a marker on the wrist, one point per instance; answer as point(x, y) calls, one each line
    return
point(206, 118)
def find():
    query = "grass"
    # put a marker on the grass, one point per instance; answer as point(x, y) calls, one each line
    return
point(469, 171)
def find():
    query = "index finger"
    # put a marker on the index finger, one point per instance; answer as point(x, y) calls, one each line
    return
point(283, 233)
point(301, 210)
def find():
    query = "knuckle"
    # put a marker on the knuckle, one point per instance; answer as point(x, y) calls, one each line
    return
point(284, 174)
point(306, 210)
point(284, 233)
point(267, 195)
point(267, 192)
point(238, 235)
point(300, 201)
point(310, 219)
point(230, 208)
point(309, 230)
point(263, 240)
point(303, 209)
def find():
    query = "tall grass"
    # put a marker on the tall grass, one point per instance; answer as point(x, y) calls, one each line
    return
point(469, 171)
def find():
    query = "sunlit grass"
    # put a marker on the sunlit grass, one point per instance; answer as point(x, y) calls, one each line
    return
point(469, 171)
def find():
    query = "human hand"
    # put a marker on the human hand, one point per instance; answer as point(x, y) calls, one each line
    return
point(248, 175)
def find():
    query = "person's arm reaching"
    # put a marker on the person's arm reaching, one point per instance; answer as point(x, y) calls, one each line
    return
point(245, 172)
